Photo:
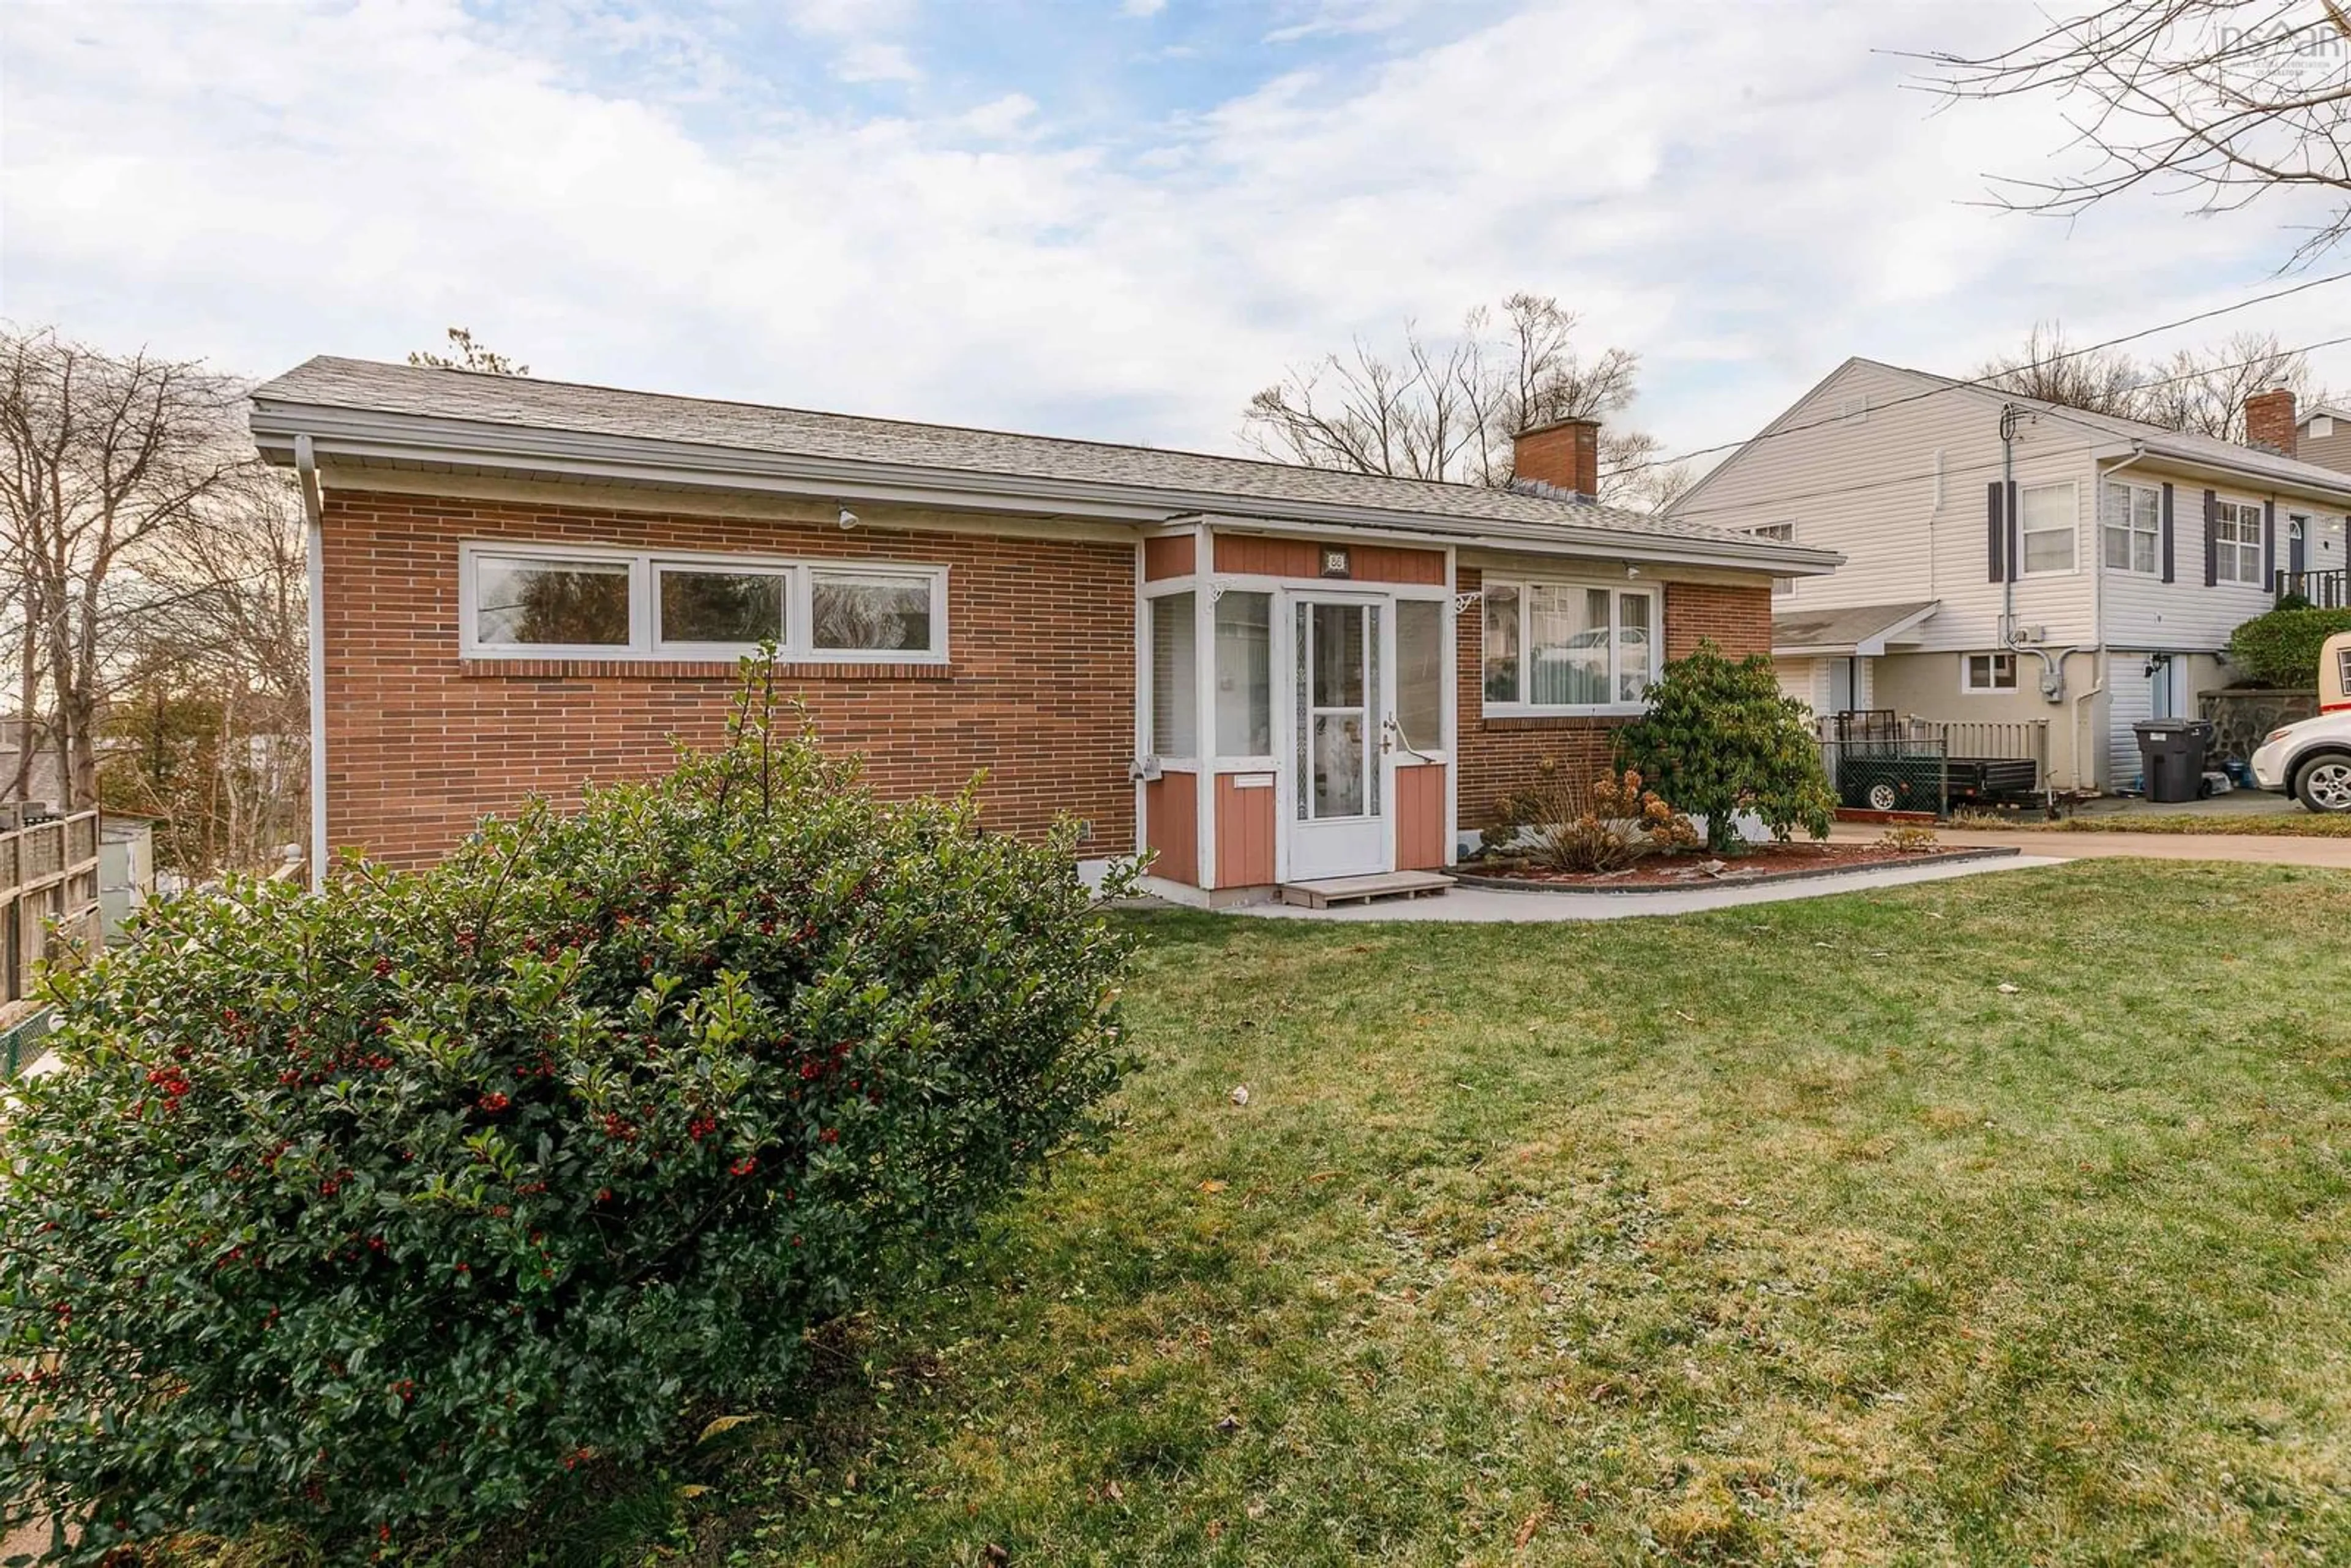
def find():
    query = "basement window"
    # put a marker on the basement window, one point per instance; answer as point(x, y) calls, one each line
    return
point(561, 601)
point(1985, 673)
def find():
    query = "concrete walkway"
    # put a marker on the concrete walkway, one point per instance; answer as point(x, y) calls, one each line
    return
point(1478, 905)
point(2248, 849)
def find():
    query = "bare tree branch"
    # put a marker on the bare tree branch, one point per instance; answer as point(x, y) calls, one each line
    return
point(2220, 103)
point(2199, 390)
point(1446, 410)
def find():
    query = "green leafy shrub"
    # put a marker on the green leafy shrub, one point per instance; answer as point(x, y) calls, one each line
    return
point(373, 1213)
point(2281, 648)
point(1718, 738)
point(1598, 824)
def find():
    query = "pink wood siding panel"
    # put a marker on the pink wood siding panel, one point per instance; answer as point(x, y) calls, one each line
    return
point(1170, 554)
point(1303, 557)
point(1171, 817)
point(1420, 818)
point(1244, 834)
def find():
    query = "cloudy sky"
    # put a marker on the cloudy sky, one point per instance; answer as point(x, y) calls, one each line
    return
point(1112, 218)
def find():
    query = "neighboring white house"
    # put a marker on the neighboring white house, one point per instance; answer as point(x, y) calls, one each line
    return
point(2010, 562)
point(2323, 435)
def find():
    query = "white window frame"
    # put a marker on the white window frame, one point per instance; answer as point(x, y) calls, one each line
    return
point(1618, 591)
point(1999, 661)
point(2072, 530)
point(2225, 550)
point(664, 648)
point(2128, 527)
point(646, 646)
point(1778, 533)
point(1145, 704)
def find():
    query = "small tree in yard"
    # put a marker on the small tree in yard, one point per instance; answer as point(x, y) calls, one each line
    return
point(1719, 738)
point(374, 1214)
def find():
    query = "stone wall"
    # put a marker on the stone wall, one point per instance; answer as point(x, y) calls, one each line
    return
point(2241, 716)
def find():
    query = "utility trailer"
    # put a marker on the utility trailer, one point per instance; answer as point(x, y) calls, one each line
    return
point(1880, 761)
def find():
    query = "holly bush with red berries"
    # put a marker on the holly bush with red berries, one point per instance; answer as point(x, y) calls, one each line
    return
point(377, 1212)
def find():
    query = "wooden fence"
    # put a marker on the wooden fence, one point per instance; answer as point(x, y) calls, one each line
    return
point(48, 905)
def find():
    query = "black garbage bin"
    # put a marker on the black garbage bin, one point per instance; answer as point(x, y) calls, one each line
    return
point(2171, 752)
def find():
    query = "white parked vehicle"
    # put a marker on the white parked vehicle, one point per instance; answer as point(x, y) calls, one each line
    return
point(2312, 759)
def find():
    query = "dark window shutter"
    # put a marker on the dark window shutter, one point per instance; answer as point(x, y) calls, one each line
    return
point(2269, 540)
point(1996, 530)
point(2212, 538)
point(2167, 533)
point(2015, 537)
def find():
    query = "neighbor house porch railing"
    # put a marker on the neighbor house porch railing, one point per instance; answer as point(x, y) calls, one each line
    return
point(1989, 739)
point(48, 892)
point(2328, 589)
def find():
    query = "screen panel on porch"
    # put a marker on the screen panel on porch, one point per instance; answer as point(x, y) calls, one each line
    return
point(1175, 688)
point(1245, 674)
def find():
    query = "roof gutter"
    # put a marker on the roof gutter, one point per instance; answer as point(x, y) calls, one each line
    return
point(356, 436)
point(314, 509)
point(2202, 466)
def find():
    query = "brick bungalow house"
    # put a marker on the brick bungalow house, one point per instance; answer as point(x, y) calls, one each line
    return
point(1266, 674)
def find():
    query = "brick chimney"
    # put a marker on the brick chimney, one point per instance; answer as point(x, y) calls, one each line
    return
point(1564, 453)
point(2269, 420)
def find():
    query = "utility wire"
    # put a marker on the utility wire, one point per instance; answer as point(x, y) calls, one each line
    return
point(1991, 383)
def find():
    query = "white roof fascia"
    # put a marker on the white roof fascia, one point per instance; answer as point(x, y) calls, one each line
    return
point(2209, 465)
point(1874, 647)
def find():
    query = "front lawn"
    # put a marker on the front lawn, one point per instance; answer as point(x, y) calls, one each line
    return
point(1782, 1235)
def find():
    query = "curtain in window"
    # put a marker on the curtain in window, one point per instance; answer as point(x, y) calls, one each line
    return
point(1174, 678)
point(1567, 643)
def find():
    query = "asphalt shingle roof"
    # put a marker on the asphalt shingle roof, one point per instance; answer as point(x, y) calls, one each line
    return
point(1243, 485)
point(1841, 628)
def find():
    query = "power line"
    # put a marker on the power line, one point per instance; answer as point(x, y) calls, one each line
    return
point(2068, 416)
point(1988, 383)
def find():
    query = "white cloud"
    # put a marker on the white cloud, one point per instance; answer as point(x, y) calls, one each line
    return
point(848, 18)
point(871, 61)
point(999, 117)
point(1744, 195)
point(1141, 8)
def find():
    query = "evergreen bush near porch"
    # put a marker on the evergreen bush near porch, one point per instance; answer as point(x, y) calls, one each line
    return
point(2281, 649)
point(1720, 738)
point(378, 1213)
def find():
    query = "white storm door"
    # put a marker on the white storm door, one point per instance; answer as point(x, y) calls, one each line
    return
point(1337, 795)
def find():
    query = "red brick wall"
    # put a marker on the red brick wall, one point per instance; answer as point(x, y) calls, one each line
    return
point(1738, 619)
point(1040, 690)
point(1499, 755)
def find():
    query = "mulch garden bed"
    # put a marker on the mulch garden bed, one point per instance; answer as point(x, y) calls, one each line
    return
point(1679, 871)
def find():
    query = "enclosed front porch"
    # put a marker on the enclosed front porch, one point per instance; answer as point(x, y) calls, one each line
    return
point(1296, 721)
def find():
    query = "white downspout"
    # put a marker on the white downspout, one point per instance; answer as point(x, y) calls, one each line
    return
point(2099, 658)
point(306, 470)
